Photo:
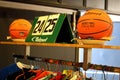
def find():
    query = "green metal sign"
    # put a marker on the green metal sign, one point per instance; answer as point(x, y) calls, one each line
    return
point(50, 29)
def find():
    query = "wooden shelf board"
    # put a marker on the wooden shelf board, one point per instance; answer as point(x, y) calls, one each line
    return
point(60, 45)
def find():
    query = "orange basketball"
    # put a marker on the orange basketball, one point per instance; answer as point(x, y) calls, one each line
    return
point(19, 28)
point(94, 24)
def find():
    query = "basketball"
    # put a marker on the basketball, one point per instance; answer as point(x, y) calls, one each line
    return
point(94, 24)
point(19, 29)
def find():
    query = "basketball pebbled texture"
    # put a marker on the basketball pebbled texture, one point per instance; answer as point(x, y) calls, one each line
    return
point(19, 28)
point(94, 24)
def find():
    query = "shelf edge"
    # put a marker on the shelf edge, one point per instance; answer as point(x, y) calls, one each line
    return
point(60, 45)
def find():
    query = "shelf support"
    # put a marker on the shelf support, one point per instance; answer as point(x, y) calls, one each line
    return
point(27, 50)
point(75, 17)
point(87, 57)
point(106, 5)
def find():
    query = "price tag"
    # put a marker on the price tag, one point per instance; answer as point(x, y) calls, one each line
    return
point(50, 29)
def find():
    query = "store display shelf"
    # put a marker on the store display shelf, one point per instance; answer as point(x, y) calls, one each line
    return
point(60, 45)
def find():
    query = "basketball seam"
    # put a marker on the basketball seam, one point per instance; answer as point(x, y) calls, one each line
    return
point(94, 19)
point(18, 30)
point(94, 32)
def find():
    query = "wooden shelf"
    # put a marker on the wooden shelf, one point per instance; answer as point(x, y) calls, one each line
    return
point(34, 7)
point(60, 45)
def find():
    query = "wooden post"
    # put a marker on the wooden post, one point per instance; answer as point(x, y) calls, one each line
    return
point(87, 57)
point(27, 53)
